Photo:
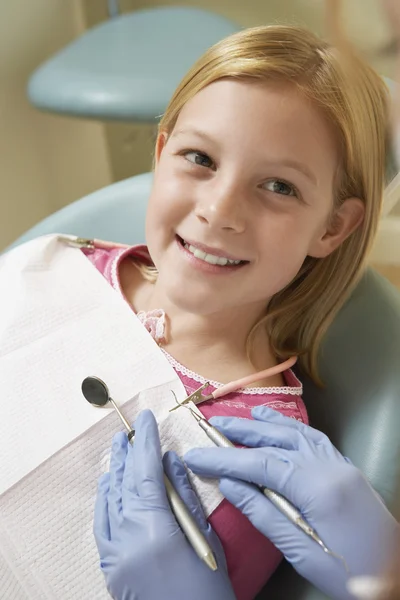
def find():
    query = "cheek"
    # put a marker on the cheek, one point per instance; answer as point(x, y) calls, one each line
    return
point(285, 266)
point(285, 243)
point(151, 214)
point(166, 211)
point(293, 227)
point(154, 219)
point(169, 195)
point(160, 203)
point(168, 181)
point(307, 225)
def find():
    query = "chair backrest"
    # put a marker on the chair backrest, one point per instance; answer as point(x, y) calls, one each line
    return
point(359, 407)
point(116, 212)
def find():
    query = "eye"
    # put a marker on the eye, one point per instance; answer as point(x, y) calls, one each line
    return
point(280, 187)
point(199, 158)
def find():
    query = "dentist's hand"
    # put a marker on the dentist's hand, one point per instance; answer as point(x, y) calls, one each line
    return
point(334, 497)
point(143, 553)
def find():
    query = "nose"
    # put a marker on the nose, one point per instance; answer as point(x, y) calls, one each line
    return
point(221, 206)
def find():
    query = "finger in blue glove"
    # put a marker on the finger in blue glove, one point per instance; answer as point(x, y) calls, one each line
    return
point(143, 553)
point(333, 496)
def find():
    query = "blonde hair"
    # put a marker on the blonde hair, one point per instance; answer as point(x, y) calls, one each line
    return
point(355, 101)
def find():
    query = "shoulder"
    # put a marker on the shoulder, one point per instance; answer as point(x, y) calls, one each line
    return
point(108, 260)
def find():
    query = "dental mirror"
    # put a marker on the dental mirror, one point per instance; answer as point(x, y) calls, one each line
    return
point(96, 393)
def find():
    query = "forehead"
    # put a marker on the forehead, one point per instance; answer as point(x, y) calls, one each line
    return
point(266, 99)
point(259, 114)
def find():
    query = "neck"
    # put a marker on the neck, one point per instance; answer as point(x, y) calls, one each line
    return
point(220, 336)
point(213, 345)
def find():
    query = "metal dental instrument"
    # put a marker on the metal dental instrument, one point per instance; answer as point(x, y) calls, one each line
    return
point(281, 503)
point(86, 243)
point(96, 392)
point(197, 396)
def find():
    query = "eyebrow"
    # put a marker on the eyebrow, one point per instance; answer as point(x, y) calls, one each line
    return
point(193, 131)
point(287, 162)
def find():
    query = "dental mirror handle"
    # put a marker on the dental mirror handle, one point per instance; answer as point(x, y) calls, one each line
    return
point(182, 514)
point(131, 432)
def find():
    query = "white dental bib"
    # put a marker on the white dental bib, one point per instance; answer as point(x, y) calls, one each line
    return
point(60, 321)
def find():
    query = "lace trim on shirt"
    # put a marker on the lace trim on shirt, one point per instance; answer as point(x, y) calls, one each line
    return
point(278, 405)
point(154, 322)
point(284, 390)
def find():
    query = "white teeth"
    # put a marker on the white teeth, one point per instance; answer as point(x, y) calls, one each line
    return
point(210, 258)
point(197, 253)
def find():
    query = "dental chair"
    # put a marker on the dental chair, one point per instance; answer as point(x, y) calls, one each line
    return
point(127, 68)
point(359, 407)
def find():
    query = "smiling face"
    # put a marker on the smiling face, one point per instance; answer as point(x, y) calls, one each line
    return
point(247, 174)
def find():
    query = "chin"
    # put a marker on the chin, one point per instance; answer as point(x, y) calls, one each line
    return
point(187, 300)
point(191, 304)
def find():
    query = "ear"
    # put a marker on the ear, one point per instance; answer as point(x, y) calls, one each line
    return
point(346, 219)
point(160, 145)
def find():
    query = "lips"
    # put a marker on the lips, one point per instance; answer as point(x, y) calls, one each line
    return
point(213, 256)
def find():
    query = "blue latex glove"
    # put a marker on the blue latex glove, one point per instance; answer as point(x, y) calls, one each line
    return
point(143, 553)
point(333, 496)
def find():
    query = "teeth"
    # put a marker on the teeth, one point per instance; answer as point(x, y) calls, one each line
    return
point(210, 258)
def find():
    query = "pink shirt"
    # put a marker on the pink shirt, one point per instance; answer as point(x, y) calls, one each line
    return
point(251, 558)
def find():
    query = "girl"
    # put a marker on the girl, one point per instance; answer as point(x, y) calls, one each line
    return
point(269, 172)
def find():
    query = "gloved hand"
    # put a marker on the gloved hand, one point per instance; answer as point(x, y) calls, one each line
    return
point(143, 553)
point(334, 497)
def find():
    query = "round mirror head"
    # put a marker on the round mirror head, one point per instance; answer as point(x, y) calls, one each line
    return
point(95, 391)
